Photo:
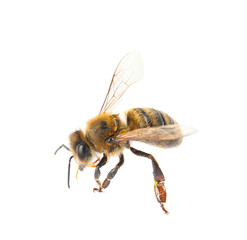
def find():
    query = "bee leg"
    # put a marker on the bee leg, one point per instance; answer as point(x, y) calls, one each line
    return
point(159, 179)
point(102, 162)
point(113, 172)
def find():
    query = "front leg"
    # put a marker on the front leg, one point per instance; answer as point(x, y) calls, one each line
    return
point(102, 162)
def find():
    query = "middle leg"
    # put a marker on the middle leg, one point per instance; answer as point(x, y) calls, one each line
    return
point(110, 175)
point(113, 172)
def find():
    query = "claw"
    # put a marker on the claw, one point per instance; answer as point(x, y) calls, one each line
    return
point(160, 193)
point(97, 189)
point(99, 185)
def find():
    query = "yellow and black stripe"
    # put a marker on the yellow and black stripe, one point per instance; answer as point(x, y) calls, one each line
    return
point(147, 117)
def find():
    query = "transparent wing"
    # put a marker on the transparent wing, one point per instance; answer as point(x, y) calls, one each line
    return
point(155, 135)
point(129, 70)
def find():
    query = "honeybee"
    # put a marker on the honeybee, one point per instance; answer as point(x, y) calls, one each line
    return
point(109, 135)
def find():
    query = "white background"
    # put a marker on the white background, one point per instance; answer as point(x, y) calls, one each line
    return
point(56, 62)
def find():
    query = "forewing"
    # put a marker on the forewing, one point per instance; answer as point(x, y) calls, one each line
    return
point(129, 70)
point(154, 135)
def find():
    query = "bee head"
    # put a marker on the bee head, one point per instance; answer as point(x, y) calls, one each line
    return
point(80, 149)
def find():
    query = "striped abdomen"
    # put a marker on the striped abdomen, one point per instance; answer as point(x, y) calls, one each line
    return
point(149, 117)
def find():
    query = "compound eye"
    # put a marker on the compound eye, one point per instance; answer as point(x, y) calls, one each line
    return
point(81, 151)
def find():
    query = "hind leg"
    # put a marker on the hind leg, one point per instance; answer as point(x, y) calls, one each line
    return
point(159, 179)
